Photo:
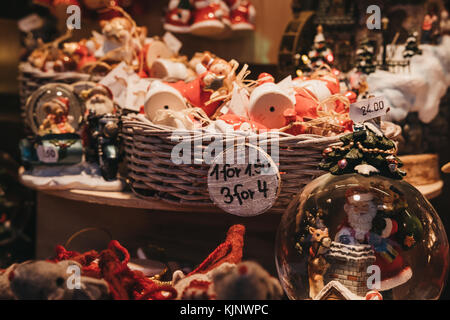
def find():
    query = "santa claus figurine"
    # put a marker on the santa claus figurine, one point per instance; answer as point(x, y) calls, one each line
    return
point(364, 226)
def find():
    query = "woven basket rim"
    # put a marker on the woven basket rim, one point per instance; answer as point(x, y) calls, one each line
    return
point(201, 133)
point(26, 67)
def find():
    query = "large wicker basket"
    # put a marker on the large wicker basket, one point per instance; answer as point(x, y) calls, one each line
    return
point(152, 173)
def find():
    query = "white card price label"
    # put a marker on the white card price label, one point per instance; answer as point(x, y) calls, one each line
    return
point(47, 154)
point(364, 110)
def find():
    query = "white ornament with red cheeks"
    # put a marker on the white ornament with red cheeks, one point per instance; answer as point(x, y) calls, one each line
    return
point(268, 104)
point(162, 98)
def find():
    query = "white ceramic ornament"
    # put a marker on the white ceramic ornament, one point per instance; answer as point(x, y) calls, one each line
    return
point(156, 49)
point(268, 102)
point(162, 97)
point(169, 69)
point(317, 87)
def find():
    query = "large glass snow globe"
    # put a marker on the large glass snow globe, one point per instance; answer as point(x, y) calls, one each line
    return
point(361, 237)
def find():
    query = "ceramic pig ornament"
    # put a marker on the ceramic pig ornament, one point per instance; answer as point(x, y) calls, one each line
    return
point(170, 70)
point(269, 102)
point(154, 50)
point(162, 98)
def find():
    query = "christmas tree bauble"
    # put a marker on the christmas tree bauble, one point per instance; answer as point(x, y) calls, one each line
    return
point(351, 236)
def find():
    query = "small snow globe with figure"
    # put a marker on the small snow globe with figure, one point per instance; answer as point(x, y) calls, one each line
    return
point(360, 231)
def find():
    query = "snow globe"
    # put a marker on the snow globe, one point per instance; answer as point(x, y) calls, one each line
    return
point(360, 231)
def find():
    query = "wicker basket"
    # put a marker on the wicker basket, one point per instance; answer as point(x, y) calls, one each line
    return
point(152, 173)
point(31, 78)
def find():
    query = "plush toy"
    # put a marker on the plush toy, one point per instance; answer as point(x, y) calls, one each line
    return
point(245, 281)
point(215, 77)
point(123, 283)
point(222, 275)
point(43, 280)
point(117, 33)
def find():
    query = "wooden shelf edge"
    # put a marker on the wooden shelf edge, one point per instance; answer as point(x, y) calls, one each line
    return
point(126, 200)
point(129, 200)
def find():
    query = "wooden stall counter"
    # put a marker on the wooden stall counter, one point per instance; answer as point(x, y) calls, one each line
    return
point(186, 233)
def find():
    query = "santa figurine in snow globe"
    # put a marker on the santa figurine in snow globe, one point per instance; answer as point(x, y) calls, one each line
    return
point(364, 226)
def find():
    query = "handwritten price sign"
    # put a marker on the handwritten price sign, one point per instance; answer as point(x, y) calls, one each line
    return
point(368, 109)
point(247, 186)
point(47, 154)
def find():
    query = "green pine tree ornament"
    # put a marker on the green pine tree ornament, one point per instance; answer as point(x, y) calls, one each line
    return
point(365, 57)
point(366, 151)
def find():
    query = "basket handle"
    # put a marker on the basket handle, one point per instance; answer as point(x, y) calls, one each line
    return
point(79, 232)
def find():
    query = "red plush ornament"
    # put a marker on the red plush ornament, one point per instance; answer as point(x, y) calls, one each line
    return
point(229, 251)
point(199, 283)
point(124, 283)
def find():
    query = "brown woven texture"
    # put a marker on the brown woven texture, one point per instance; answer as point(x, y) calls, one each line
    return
point(152, 174)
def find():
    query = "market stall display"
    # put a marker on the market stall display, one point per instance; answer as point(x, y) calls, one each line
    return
point(123, 129)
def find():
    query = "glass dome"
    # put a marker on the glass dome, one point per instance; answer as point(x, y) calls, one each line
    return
point(53, 94)
point(356, 237)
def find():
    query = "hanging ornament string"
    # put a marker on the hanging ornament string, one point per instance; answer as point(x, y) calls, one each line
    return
point(78, 233)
